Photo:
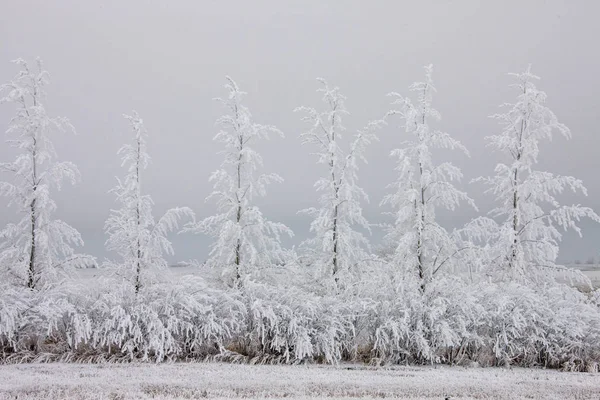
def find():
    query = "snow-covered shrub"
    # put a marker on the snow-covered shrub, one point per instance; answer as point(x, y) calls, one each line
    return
point(513, 325)
point(539, 326)
point(383, 320)
point(172, 321)
point(11, 305)
point(403, 324)
point(594, 297)
point(289, 325)
point(186, 319)
point(34, 323)
point(573, 331)
point(458, 322)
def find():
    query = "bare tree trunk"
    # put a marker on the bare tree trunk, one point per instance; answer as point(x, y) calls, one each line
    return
point(138, 267)
point(334, 237)
point(238, 248)
point(515, 222)
point(238, 245)
point(31, 275)
point(335, 245)
point(515, 183)
point(420, 260)
point(31, 271)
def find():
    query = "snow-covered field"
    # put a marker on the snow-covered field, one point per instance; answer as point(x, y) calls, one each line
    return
point(212, 380)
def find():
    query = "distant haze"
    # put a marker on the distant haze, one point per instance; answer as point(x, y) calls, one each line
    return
point(168, 59)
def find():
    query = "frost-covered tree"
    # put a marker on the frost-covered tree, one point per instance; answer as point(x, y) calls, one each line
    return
point(244, 238)
point(419, 242)
point(35, 250)
point(337, 244)
point(133, 232)
point(529, 213)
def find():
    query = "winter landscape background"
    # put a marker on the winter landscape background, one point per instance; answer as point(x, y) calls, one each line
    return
point(414, 211)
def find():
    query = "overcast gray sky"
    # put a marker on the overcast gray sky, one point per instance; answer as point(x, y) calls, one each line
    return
point(168, 59)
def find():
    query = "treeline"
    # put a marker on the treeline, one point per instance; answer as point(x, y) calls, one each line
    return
point(489, 293)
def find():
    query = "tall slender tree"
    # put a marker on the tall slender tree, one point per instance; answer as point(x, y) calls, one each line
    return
point(529, 211)
point(419, 242)
point(35, 250)
point(132, 230)
point(337, 244)
point(244, 238)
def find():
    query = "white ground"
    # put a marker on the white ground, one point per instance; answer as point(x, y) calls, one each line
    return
point(213, 380)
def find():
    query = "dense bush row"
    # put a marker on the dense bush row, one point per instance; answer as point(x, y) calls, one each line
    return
point(455, 323)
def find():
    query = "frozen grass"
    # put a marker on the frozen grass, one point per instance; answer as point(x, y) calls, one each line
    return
point(214, 380)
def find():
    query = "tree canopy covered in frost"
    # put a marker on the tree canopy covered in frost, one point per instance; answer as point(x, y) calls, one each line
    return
point(37, 248)
point(244, 238)
point(529, 213)
point(132, 231)
point(420, 245)
point(337, 245)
